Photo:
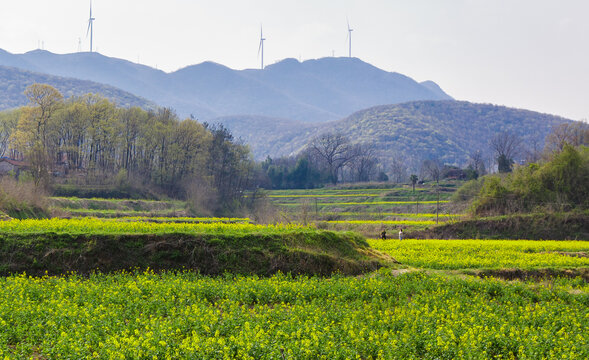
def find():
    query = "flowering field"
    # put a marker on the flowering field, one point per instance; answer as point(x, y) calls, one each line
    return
point(427, 307)
point(101, 226)
point(187, 316)
point(492, 254)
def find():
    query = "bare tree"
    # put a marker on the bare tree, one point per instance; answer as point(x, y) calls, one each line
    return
point(533, 150)
point(477, 162)
point(334, 150)
point(363, 162)
point(431, 169)
point(434, 169)
point(398, 169)
point(506, 147)
point(575, 134)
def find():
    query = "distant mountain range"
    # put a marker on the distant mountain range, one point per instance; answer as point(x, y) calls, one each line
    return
point(279, 109)
point(312, 91)
point(412, 131)
point(13, 83)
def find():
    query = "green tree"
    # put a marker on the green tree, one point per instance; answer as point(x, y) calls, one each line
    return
point(413, 179)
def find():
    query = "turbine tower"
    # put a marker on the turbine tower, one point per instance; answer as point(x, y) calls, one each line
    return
point(350, 39)
point(90, 26)
point(261, 47)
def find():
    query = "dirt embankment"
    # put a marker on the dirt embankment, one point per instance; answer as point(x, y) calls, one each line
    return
point(533, 227)
point(323, 253)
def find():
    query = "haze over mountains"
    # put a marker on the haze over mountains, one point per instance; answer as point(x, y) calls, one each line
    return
point(312, 91)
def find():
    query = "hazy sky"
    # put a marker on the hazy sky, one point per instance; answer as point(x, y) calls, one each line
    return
point(531, 54)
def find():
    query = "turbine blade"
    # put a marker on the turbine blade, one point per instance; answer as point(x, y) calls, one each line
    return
point(89, 24)
point(260, 47)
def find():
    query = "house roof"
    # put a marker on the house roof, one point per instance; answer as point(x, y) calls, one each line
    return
point(14, 162)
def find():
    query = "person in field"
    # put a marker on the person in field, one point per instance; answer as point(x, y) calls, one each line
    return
point(401, 234)
point(383, 234)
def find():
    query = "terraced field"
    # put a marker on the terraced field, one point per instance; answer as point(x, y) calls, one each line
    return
point(429, 299)
point(367, 211)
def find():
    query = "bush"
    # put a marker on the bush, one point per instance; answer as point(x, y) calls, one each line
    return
point(561, 183)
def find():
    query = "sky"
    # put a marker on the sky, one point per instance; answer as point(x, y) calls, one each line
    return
point(530, 54)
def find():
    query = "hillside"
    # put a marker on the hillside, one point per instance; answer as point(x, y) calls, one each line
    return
point(13, 83)
point(448, 130)
point(311, 91)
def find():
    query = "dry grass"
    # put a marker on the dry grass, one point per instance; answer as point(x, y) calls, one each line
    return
point(21, 198)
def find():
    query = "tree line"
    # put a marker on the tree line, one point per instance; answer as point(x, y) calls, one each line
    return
point(89, 140)
point(328, 158)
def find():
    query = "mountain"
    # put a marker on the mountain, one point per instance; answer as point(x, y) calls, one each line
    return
point(312, 91)
point(13, 83)
point(447, 130)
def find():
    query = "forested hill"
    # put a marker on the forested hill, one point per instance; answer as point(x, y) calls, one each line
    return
point(13, 83)
point(413, 131)
point(310, 91)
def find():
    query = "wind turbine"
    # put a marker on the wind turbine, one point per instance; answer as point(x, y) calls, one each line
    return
point(261, 47)
point(349, 38)
point(90, 26)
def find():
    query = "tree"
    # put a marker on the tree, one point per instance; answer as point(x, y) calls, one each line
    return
point(363, 162)
point(413, 179)
point(506, 146)
point(31, 133)
point(477, 163)
point(334, 150)
point(398, 169)
point(46, 99)
point(574, 134)
point(431, 168)
point(434, 169)
point(8, 123)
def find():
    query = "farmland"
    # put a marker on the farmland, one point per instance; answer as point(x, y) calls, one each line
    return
point(367, 210)
point(184, 315)
point(146, 281)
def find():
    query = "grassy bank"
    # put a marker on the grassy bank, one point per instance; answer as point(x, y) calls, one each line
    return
point(555, 226)
point(59, 246)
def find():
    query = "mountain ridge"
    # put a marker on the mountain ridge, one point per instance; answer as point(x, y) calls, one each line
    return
point(14, 81)
point(315, 90)
point(447, 130)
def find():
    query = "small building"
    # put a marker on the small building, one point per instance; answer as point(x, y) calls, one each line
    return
point(10, 165)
